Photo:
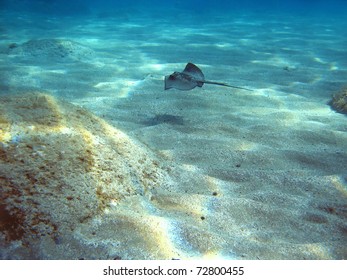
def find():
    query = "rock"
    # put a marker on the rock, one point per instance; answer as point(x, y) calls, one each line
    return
point(61, 166)
point(51, 49)
point(339, 101)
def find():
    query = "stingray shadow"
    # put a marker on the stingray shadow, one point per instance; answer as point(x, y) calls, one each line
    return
point(163, 118)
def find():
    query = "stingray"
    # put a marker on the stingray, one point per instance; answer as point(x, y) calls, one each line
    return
point(190, 78)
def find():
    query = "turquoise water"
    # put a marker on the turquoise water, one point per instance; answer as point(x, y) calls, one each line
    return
point(80, 7)
point(212, 172)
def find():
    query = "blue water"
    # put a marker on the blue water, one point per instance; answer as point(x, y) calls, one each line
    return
point(87, 7)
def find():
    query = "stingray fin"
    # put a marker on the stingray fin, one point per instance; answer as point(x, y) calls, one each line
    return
point(193, 70)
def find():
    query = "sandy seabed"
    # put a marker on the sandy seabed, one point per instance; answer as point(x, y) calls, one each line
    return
point(130, 171)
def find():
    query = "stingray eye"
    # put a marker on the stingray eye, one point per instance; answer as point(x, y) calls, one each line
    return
point(171, 77)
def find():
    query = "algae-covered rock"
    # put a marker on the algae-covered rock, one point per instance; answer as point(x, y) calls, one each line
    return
point(60, 166)
point(339, 101)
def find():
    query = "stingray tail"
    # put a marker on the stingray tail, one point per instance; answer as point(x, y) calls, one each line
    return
point(225, 85)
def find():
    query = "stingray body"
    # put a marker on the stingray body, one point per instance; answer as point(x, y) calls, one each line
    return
point(190, 78)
